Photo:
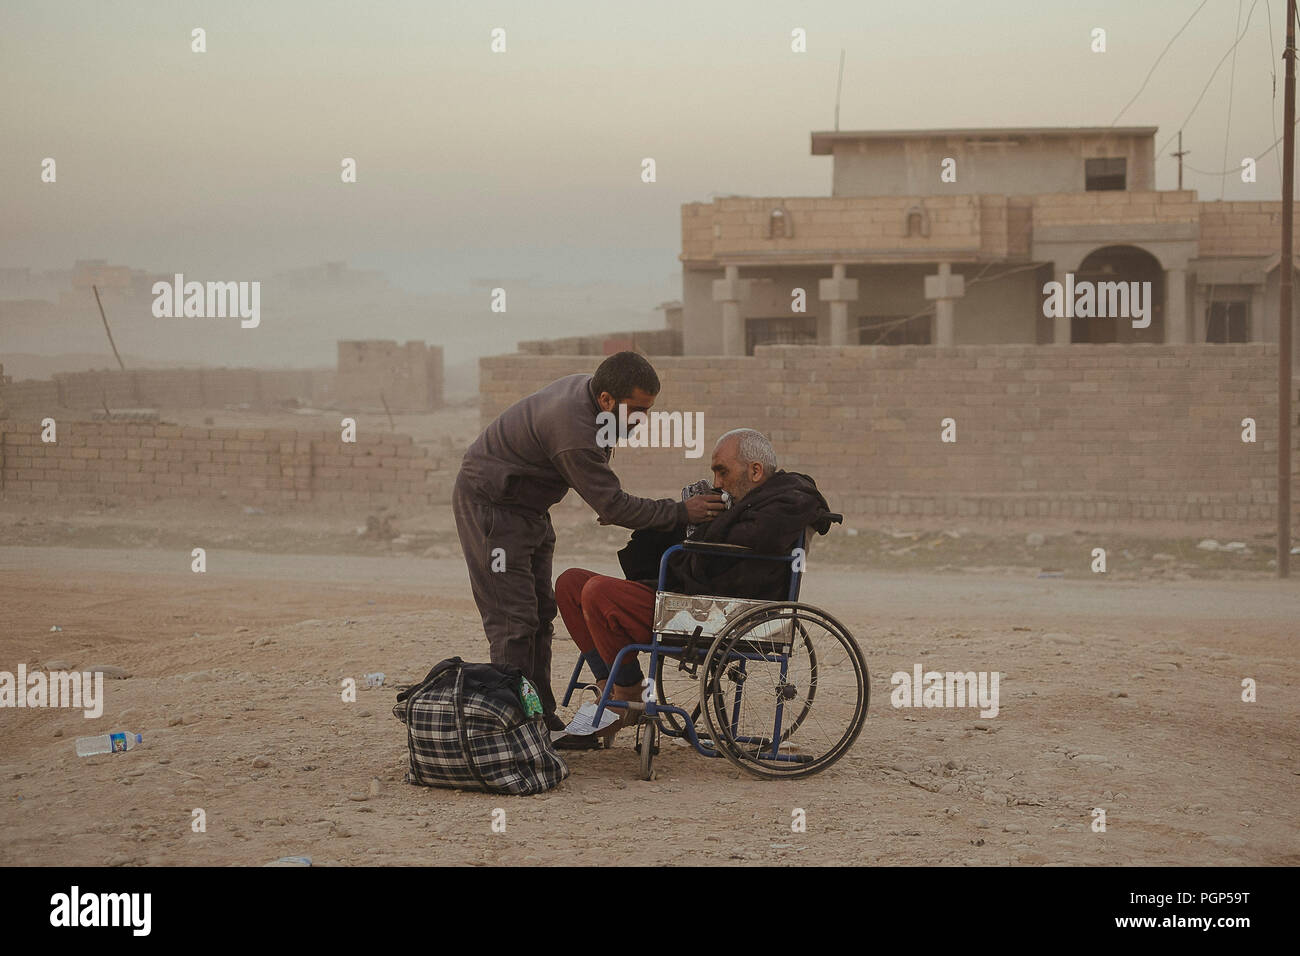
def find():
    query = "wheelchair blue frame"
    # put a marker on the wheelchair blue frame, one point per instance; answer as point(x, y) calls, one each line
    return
point(657, 649)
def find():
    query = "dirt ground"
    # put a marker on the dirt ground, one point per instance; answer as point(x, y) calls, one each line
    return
point(1120, 691)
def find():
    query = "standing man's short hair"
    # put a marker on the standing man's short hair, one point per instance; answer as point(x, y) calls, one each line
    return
point(623, 373)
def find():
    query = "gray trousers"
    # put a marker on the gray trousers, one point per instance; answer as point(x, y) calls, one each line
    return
point(516, 601)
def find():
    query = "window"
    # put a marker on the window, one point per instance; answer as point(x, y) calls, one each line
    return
point(916, 222)
point(801, 330)
point(1227, 322)
point(1104, 174)
point(894, 330)
point(779, 225)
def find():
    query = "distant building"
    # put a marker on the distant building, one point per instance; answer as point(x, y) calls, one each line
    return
point(1018, 209)
point(379, 372)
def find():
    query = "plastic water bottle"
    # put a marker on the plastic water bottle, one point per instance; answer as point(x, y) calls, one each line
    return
point(106, 744)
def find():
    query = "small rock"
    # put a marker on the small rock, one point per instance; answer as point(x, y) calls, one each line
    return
point(949, 787)
point(58, 733)
point(990, 797)
point(198, 676)
point(1228, 841)
point(1015, 828)
point(58, 666)
point(983, 824)
point(374, 786)
point(1118, 693)
point(1161, 556)
point(262, 642)
point(1164, 666)
point(1058, 638)
point(110, 672)
point(261, 762)
point(177, 721)
point(241, 630)
point(1208, 544)
point(363, 713)
point(359, 797)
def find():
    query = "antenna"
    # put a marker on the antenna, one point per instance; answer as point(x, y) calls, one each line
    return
point(839, 83)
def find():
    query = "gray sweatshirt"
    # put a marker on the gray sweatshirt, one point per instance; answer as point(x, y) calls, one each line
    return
point(545, 444)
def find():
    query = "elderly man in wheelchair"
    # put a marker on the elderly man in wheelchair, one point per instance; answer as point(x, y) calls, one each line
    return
point(744, 628)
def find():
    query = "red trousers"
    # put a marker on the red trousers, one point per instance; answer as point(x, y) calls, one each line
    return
point(606, 614)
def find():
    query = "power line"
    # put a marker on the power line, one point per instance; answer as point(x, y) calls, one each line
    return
point(1237, 169)
point(1151, 71)
point(1232, 83)
point(1272, 59)
point(1213, 74)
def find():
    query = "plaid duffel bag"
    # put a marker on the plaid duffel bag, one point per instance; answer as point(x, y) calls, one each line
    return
point(466, 728)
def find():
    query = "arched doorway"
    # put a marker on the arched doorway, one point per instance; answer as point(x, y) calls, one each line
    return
point(1104, 268)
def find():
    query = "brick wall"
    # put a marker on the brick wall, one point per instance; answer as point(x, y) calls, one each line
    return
point(650, 342)
point(1084, 431)
point(376, 372)
point(1115, 207)
point(170, 388)
point(257, 465)
point(1242, 228)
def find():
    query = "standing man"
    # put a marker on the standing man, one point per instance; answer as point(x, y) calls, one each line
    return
point(521, 465)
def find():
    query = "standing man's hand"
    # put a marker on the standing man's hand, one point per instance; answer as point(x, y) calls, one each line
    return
point(702, 508)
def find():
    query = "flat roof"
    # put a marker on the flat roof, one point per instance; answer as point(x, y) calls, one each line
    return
point(823, 141)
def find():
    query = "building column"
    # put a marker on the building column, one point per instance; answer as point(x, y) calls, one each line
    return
point(731, 291)
point(1176, 324)
point(1061, 323)
point(1256, 329)
point(839, 292)
point(945, 288)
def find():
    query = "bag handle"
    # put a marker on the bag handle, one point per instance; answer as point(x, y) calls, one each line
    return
point(458, 709)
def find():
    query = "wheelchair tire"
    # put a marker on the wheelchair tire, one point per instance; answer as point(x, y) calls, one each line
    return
point(725, 671)
point(649, 734)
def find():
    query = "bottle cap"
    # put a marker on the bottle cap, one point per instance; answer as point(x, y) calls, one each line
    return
point(139, 739)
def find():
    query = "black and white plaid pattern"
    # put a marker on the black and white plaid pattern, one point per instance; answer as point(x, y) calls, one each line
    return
point(512, 754)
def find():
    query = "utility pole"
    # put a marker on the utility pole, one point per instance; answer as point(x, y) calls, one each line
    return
point(1180, 154)
point(1286, 272)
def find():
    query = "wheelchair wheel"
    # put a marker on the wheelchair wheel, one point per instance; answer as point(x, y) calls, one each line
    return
point(647, 744)
point(778, 669)
point(679, 688)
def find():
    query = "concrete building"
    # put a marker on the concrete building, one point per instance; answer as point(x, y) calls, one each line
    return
point(949, 237)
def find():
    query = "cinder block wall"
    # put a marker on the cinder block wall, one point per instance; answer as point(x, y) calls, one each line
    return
point(1100, 431)
point(171, 388)
point(374, 372)
point(256, 465)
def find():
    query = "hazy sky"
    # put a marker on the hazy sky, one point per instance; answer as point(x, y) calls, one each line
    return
point(474, 165)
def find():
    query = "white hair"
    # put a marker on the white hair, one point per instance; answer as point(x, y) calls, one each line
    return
point(752, 446)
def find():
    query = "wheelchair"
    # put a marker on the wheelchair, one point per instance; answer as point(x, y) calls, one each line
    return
point(782, 687)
